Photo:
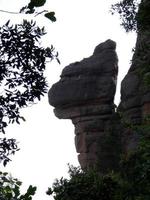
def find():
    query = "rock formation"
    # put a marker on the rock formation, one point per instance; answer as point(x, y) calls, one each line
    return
point(135, 93)
point(85, 94)
point(135, 88)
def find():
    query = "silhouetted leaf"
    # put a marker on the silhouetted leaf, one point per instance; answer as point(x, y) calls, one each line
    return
point(31, 190)
point(22, 81)
point(10, 188)
point(37, 3)
point(7, 22)
point(51, 16)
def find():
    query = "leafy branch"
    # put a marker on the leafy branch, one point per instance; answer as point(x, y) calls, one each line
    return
point(22, 81)
point(10, 188)
point(127, 9)
point(31, 9)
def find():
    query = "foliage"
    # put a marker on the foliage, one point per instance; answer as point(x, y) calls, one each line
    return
point(51, 16)
point(134, 14)
point(31, 8)
point(127, 10)
point(10, 188)
point(143, 17)
point(22, 81)
point(131, 182)
point(37, 3)
point(135, 167)
point(7, 147)
point(22, 64)
point(84, 185)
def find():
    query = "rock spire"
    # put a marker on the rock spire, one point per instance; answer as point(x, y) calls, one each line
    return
point(85, 94)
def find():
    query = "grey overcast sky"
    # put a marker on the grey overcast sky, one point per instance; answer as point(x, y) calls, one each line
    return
point(47, 143)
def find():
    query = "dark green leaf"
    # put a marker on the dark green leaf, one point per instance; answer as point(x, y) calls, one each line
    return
point(31, 190)
point(37, 3)
point(51, 16)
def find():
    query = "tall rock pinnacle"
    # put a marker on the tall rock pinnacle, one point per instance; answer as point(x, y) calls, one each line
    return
point(85, 94)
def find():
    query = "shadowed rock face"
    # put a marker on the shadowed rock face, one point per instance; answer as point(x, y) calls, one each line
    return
point(85, 94)
point(135, 87)
point(135, 93)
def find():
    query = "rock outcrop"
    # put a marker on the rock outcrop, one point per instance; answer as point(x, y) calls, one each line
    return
point(135, 88)
point(85, 94)
point(135, 93)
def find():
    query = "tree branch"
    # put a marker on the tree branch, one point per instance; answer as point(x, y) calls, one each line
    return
point(9, 12)
point(40, 12)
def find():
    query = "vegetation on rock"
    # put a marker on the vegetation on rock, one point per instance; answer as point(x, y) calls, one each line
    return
point(131, 182)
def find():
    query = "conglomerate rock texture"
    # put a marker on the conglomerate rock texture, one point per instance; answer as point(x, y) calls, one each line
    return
point(85, 94)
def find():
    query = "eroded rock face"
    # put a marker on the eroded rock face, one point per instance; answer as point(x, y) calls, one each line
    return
point(135, 89)
point(85, 94)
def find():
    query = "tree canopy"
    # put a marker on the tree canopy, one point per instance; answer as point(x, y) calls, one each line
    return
point(10, 188)
point(130, 182)
point(127, 10)
point(31, 8)
point(22, 80)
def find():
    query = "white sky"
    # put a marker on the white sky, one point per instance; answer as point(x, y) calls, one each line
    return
point(47, 143)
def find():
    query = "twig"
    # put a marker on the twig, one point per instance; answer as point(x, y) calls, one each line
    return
point(40, 12)
point(9, 12)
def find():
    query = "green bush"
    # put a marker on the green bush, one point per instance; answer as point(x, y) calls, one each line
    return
point(10, 188)
point(132, 182)
point(84, 185)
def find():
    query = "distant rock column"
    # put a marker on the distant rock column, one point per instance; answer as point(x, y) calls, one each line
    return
point(85, 94)
point(135, 87)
